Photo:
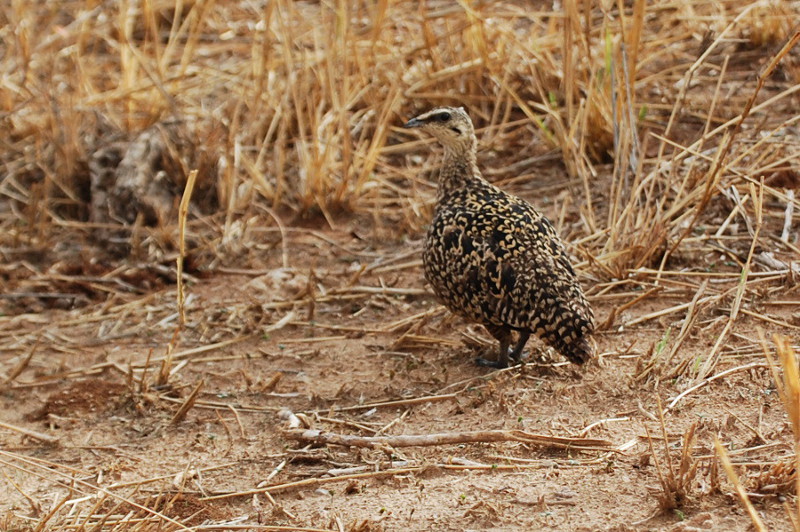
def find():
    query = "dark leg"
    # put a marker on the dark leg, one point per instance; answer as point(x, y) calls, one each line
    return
point(503, 335)
point(516, 354)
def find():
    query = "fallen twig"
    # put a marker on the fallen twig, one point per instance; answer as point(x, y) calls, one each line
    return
point(447, 438)
point(30, 433)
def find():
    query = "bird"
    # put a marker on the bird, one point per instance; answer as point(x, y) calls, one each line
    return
point(493, 259)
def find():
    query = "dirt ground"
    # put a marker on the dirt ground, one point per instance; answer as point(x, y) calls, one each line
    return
point(305, 304)
point(350, 325)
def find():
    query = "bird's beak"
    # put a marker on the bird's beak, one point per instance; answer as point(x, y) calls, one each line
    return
point(414, 122)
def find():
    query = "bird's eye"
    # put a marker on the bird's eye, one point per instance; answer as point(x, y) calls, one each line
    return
point(443, 117)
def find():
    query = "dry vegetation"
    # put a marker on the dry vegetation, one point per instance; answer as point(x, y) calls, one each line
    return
point(305, 379)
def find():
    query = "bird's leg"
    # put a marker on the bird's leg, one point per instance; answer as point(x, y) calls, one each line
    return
point(516, 354)
point(503, 335)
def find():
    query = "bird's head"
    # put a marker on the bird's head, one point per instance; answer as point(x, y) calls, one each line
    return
point(450, 125)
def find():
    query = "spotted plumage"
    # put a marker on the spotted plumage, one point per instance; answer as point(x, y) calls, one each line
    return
point(494, 259)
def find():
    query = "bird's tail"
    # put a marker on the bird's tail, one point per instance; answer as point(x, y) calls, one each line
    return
point(579, 351)
point(571, 333)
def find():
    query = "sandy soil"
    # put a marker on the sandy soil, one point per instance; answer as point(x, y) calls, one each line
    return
point(113, 416)
point(339, 347)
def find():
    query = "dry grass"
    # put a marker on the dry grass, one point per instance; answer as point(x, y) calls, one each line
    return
point(677, 480)
point(781, 477)
point(787, 382)
point(297, 104)
point(667, 133)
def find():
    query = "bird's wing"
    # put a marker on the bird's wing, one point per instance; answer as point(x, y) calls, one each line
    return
point(525, 274)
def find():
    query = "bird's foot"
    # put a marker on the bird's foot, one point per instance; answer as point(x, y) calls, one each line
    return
point(485, 362)
point(511, 359)
point(519, 358)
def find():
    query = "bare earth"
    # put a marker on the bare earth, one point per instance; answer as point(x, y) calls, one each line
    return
point(350, 324)
point(660, 138)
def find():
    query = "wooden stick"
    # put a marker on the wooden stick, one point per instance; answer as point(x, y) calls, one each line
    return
point(588, 428)
point(446, 438)
point(615, 312)
point(30, 433)
point(788, 213)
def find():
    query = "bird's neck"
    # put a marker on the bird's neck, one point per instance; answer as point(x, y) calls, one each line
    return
point(459, 169)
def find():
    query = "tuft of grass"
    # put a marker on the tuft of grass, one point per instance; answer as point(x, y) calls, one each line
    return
point(676, 479)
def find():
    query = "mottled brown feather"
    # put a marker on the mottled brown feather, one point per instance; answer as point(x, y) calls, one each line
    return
point(493, 258)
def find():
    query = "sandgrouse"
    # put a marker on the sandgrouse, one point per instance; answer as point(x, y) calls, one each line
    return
point(494, 259)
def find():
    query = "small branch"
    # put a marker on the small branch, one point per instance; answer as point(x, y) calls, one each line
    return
point(316, 482)
point(670, 310)
point(447, 438)
point(30, 433)
point(606, 325)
